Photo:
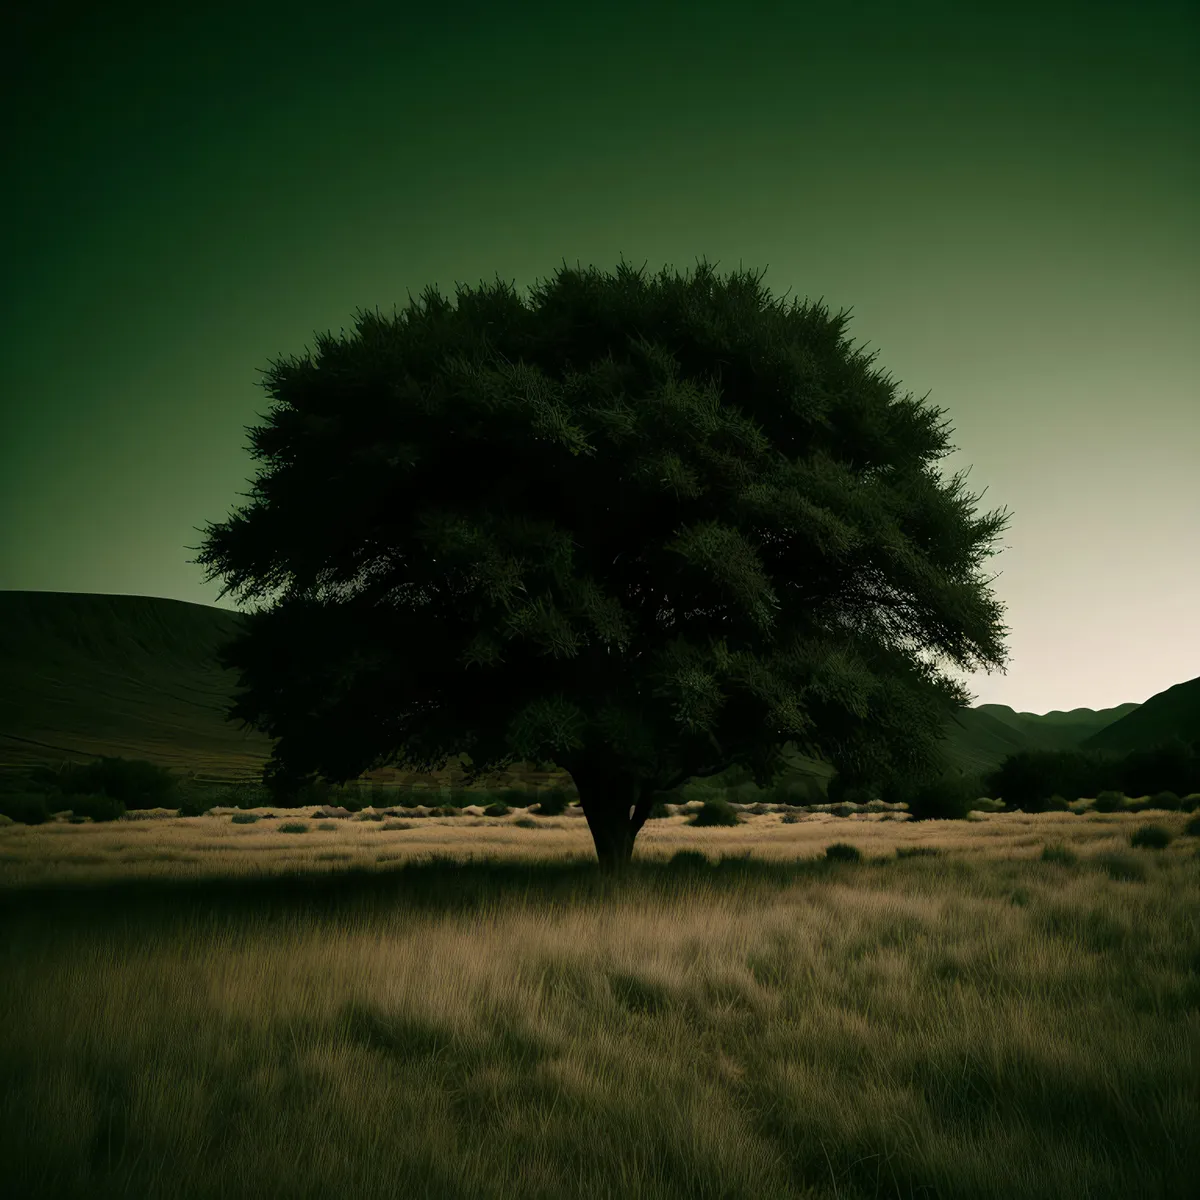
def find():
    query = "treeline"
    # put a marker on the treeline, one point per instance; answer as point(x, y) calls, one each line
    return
point(1032, 779)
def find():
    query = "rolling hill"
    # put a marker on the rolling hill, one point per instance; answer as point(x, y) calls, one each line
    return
point(84, 675)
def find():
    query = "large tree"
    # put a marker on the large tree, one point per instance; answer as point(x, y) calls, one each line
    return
point(644, 530)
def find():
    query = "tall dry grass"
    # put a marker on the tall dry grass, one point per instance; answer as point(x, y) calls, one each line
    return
point(249, 1018)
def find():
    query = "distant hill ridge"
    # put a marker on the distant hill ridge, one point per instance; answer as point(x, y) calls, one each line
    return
point(84, 674)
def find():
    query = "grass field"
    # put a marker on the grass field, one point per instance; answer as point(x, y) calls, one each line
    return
point(196, 1008)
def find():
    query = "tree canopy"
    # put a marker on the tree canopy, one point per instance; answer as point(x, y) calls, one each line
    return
point(643, 529)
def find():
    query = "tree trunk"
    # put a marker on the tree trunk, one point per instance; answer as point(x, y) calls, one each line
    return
point(616, 805)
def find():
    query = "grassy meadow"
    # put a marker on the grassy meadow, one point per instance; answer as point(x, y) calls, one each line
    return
point(1007, 1006)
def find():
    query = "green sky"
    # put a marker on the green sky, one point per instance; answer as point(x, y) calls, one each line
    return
point(1004, 194)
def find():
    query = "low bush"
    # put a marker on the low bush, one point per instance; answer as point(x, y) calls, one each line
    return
point(1192, 828)
point(99, 807)
point(1055, 803)
point(25, 808)
point(1057, 853)
point(293, 827)
point(497, 810)
point(396, 825)
point(1190, 803)
point(196, 805)
point(1123, 867)
point(520, 798)
point(244, 818)
point(137, 783)
point(1150, 837)
point(1166, 801)
point(716, 811)
point(790, 818)
point(323, 825)
point(526, 823)
point(917, 852)
point(797, 789)
point(843, 852)
point(445, 810)
point(940, 800)
point(552, 803)
point(1109, 802)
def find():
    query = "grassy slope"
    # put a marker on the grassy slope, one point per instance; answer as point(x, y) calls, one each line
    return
point(135, 676)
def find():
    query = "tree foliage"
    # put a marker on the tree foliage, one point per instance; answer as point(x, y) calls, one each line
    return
point(642, 529)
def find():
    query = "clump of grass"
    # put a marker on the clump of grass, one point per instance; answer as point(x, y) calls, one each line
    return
point(790, 818)
point(843, 852)
point(323, 825)
point(1192, 828)
point(526, 823)
point(688, 860)
point(396, 825)
point(1057, 853)
point(293, 827)
point(1123, 867)
point(917, 852)
point(244, 818)
point(1151, 837)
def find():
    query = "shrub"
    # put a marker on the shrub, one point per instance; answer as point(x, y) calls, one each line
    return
point(1123, 867)
point(1109, 802)
point(99, 807)
point(526, 823)
point(518, 798)
point(293, 827)
point(497, 810)
point(843, 852)
point(371, 816)
point(797, 789)
point(1190, 803)
point(1058, 853)
point(1055, 803)
point(1192, 828)
point(790, 818)
point(716, 811)
point(939, 800)
point(243, 818)
point(445, 810)
point(1167, 801)
point(1151, 837)
point(196, 805)
point(552, 803)
point(135, 782)
point(323, 824)
point(26, 808)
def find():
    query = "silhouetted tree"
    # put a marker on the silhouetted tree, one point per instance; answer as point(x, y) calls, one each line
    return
point(643, 530)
